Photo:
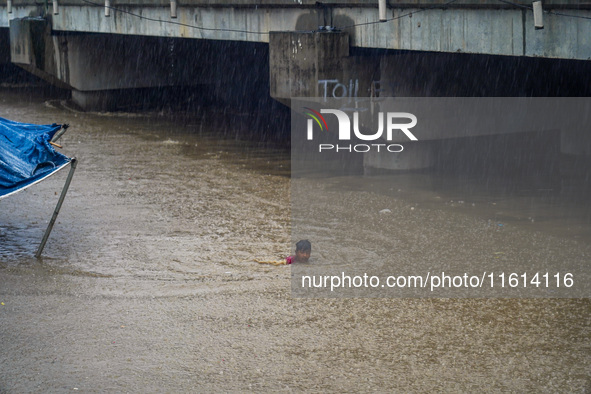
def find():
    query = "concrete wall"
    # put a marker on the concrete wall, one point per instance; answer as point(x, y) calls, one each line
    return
point(33, 48)
point(482, 27)
point(100, 62)
point(102, 69)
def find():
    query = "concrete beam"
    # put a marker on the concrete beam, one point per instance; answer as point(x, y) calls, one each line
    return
point(19, 11)
point(563, 4)
point(477, 31)
point(101, 69)
point(90, 62)
point(469, 26)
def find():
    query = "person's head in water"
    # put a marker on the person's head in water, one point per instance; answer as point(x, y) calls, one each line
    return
point(303, 250)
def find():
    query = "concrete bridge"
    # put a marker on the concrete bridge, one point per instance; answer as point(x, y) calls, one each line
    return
point(251, 50)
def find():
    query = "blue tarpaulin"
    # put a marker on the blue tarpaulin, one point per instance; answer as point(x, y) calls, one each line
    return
point(26, 156)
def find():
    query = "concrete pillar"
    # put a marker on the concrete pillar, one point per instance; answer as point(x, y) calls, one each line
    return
point(33, 48)
point(318, 64)
point(298, 61)
point(97, 66)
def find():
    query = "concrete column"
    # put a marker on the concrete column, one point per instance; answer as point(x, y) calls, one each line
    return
point(298, 61)
point(96, 66)
point(318, 64)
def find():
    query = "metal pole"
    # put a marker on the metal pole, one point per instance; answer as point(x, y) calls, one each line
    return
point(382, 10)
point(538, 15)
point(59, 134)
point(173, 8)
point(73, 164)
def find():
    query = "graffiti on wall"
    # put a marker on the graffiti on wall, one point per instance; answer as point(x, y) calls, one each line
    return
point(334, 88)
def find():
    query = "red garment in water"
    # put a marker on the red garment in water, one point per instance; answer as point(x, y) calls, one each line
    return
point(290, 259)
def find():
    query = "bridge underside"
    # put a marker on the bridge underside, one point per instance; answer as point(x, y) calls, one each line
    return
point(467, 26)
point(216, 53)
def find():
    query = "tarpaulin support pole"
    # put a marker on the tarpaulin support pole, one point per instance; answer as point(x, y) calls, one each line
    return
point(61, 132)
point(73, 164)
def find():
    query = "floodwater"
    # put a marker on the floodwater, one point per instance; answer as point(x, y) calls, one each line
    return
point(149, 283)
point(415, 224)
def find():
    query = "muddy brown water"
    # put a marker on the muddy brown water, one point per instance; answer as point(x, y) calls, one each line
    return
point(148, 283)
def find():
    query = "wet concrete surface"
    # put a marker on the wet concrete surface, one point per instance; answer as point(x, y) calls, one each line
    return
point(148, 284)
